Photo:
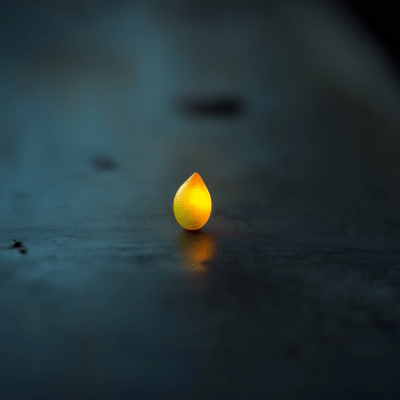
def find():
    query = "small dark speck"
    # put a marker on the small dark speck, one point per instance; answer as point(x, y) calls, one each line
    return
point(18, 245)
point(387, 326)
point(104, 164)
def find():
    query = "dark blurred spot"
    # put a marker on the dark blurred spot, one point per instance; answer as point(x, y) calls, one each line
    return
point(222, 107)
point(387, 326)
point(104, 164)
point(18, 245)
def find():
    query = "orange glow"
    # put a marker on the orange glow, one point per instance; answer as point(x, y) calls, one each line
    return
point(192, 203)
point(198, 248)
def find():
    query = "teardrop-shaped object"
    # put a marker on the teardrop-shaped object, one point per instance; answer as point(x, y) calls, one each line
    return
point(192, 203)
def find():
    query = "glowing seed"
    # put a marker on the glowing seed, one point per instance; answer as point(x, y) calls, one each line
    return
point(192, 203)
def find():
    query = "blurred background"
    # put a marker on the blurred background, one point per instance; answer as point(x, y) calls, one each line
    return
point(289, 110)
point(229, 87)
